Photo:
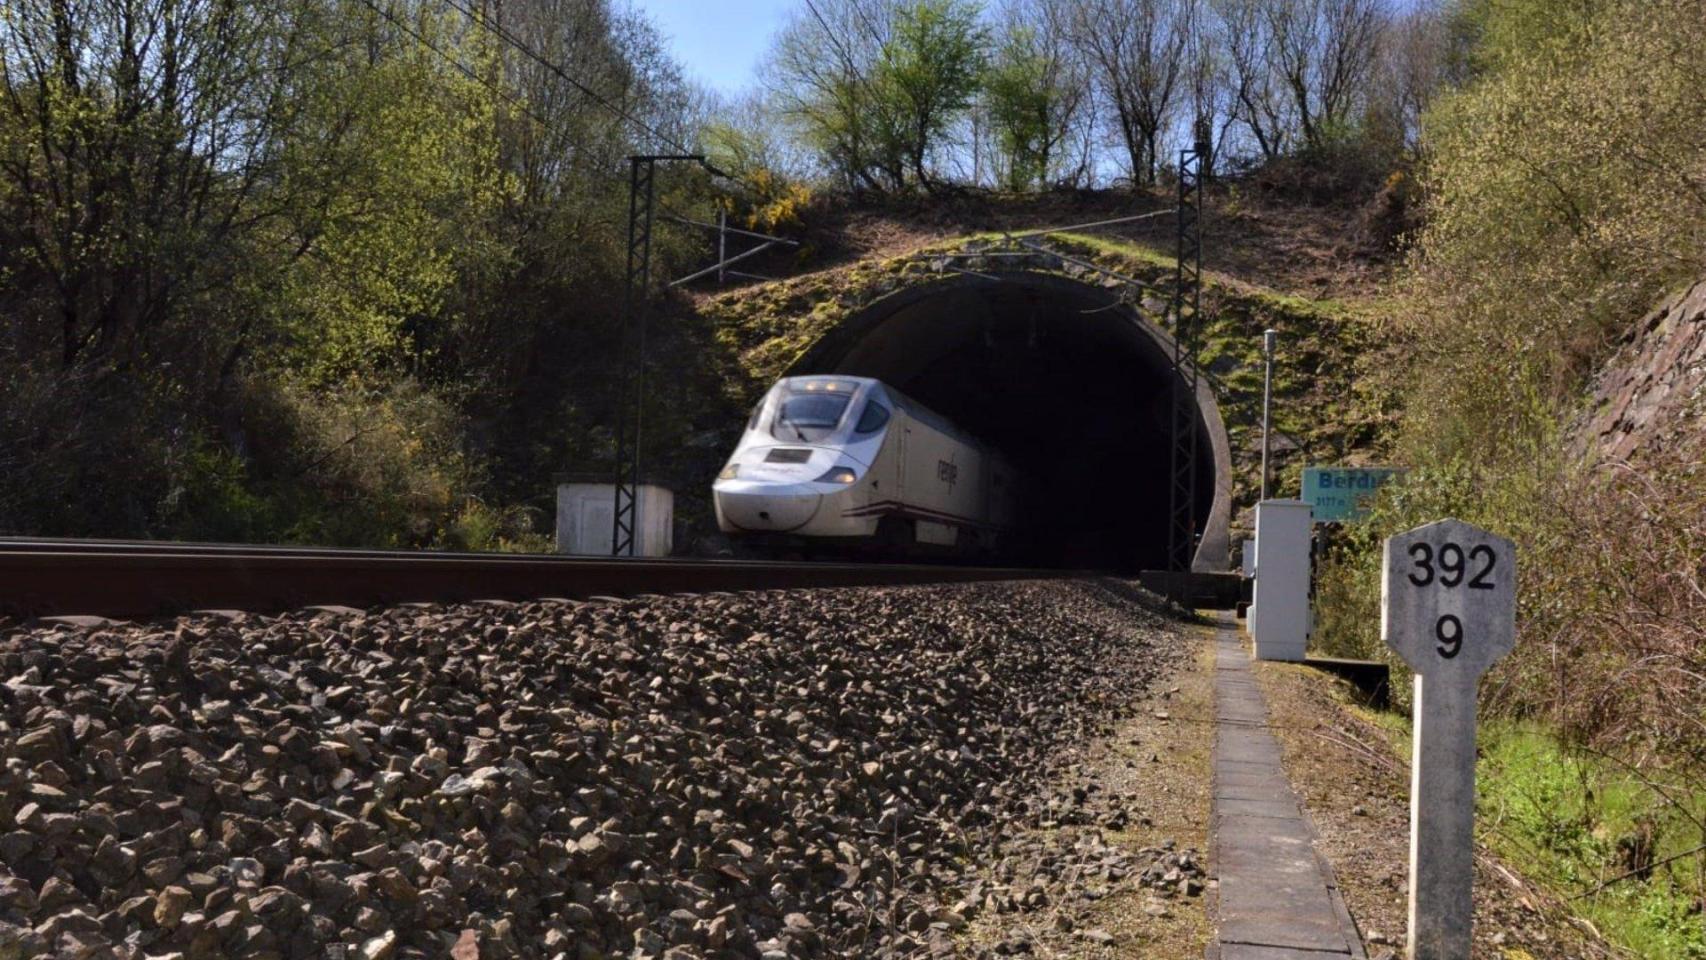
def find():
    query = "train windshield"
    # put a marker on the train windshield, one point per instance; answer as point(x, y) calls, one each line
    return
point(811, 409)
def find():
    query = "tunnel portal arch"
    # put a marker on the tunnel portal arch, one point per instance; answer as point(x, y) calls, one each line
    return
point(1071, 383)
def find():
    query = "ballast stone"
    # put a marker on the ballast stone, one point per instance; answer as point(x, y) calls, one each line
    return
point(633, 776)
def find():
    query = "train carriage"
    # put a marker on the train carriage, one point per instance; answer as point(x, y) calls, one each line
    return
point(850, 461)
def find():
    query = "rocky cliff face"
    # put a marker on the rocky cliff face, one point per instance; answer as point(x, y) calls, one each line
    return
point(1652, 395)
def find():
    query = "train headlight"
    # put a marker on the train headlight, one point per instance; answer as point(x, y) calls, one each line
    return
point(730, 472)
point(838, 475)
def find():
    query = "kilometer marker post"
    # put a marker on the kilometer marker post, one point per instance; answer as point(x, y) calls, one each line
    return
point(1448, 607)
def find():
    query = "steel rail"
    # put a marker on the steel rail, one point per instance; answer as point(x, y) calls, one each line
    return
point(140, 580)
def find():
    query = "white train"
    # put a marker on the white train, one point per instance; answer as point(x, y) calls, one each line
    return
point(849, 461)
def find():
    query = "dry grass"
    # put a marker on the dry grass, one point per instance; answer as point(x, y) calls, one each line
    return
point(1628, 660)
point(1352, 773)
point(1294, 247)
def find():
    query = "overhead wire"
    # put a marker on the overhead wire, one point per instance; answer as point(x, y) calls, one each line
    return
point(870, 28)
point(503, 33)
point(520, 103)
point(498, 89)
point(829, 32)
point(461, 67)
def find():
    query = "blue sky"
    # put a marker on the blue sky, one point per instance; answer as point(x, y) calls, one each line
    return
point(719, 42)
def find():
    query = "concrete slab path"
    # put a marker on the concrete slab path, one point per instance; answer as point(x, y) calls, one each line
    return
point(1277, 897)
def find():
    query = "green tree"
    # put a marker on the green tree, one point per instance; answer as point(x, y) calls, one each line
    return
point(315, 269)
point(874, 86)
point(406, 151)
point(142, 177)
point(820, 74)
point(1138, 49)
point(138, 144)
point(927, 74)
point(1033, 97)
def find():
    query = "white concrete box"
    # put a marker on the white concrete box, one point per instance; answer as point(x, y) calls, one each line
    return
point(586, 519)
point(1281, 626)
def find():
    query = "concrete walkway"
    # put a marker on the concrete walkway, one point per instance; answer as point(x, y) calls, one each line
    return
point(1277, 898)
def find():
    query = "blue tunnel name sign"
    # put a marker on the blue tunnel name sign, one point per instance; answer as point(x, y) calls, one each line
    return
point(1344, 493)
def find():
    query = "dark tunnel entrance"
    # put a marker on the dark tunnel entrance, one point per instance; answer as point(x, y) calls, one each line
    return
point(1071, 385)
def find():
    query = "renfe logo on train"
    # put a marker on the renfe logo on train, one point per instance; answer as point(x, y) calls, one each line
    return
point(1448, 607)
point(947, 472)
point(1344, 493)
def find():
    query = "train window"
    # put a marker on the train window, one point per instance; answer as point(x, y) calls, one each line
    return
point(806, 410)
point(752, 421)
point(800, 412)
point(873, 419)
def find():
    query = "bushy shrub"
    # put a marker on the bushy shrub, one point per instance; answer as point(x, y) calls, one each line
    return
point(480, 526)
point(380, 467)
point(776, 202)
point(216, 500)
point(1567, 194)
point(84, 453)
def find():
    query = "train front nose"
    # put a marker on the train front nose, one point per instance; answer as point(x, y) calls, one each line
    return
point(766, 508)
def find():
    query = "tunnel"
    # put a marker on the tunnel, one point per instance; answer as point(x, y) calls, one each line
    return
point(1072, 385)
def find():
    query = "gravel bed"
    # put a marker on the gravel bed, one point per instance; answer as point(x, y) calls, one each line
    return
point(780, 774)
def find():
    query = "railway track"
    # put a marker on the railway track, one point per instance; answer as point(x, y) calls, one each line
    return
point(141, 579)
